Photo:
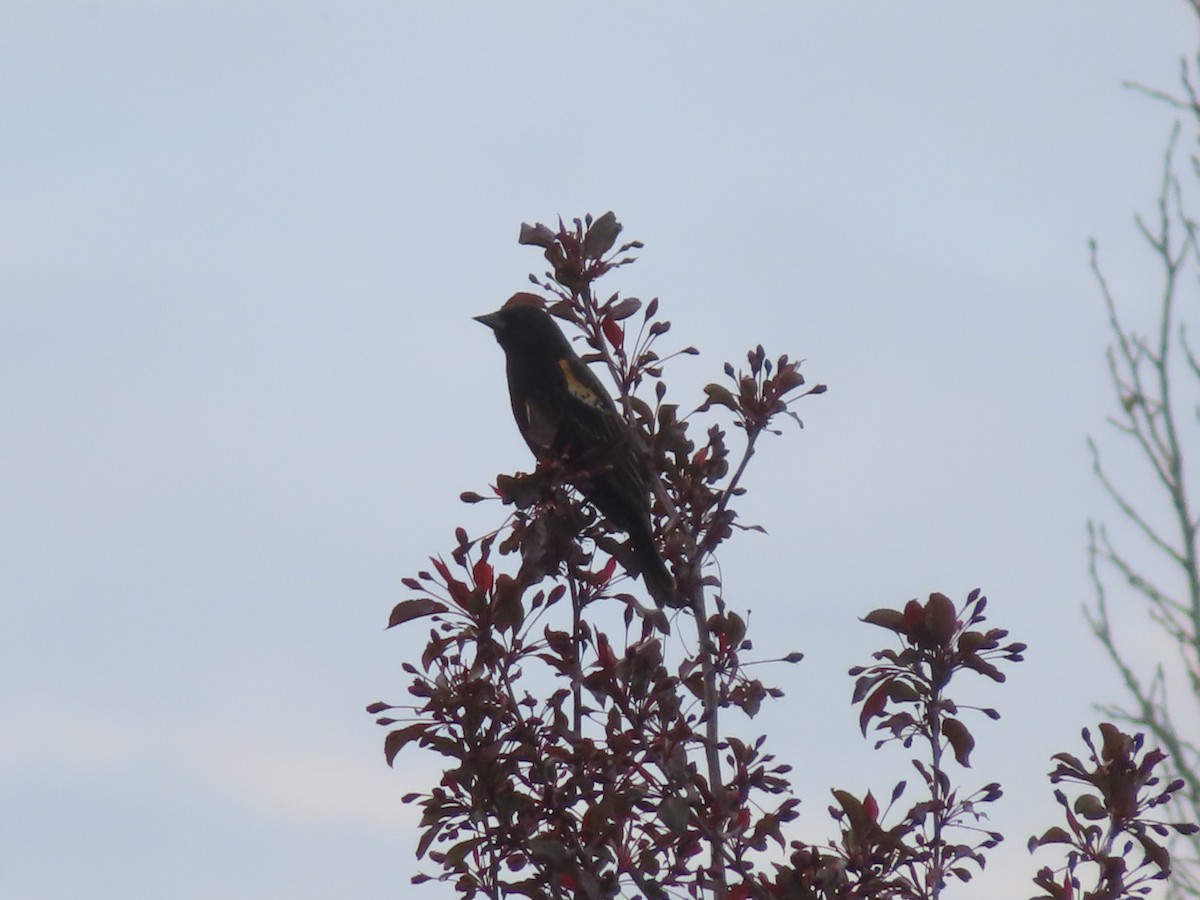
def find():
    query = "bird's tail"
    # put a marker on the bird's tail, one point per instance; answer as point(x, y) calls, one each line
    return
point(655, 575)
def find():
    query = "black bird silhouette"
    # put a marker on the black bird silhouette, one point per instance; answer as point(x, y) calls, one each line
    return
point(565, 413)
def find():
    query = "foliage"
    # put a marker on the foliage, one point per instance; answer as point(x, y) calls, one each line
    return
point(1120, 777)
point(584, 754)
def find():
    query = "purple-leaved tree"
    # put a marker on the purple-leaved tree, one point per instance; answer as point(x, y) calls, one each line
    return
point(587, 757)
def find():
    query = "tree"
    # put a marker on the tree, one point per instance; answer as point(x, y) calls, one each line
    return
point(586, 756)
point(1153, 565)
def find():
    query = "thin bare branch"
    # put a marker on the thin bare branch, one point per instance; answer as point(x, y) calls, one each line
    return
point(1140, 372)
point(1128, 510)
point(1141, 583)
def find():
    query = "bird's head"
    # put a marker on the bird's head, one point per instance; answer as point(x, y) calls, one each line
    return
point(522, 324)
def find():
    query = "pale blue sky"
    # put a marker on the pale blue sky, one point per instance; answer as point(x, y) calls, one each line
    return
point(240, 246)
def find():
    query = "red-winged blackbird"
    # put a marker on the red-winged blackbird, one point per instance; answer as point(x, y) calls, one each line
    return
point(564, 413)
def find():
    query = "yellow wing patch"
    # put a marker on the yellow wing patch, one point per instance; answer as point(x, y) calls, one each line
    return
point(577, 388)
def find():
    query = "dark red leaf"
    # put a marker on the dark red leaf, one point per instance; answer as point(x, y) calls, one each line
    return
point(396, 740)
point(871, 807)
point(536, 235)
point(1156, 853)
point(675, 814)
point(1054, 835)
point(614, 332)
point(960, 740)
point(483, 575)
point(508, 612)
point(456, 855)
point(1090, 807)
point(604, 576)
point(891, 619)
point(624, 309)
point(441, 568)
point(459, 592)
point(719, 396)
point(601, 236)
point(914, 617)
point(407, 610)
point(1117, 744)
point(873, 706)
point(860, 822)
point(940, 618)
point(428, 836)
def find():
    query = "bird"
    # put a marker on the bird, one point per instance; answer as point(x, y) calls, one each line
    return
point(564, 413)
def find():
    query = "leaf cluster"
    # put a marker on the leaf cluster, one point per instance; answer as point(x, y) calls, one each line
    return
point(1108, 820)
point(583, 761)
point(586, 738)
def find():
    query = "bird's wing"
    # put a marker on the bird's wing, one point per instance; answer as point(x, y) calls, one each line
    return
point(538, 425)
point(589, 421)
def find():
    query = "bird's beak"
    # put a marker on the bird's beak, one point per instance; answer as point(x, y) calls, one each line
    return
point(491, 320)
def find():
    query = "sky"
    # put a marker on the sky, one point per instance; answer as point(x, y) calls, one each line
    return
point(240, 248)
